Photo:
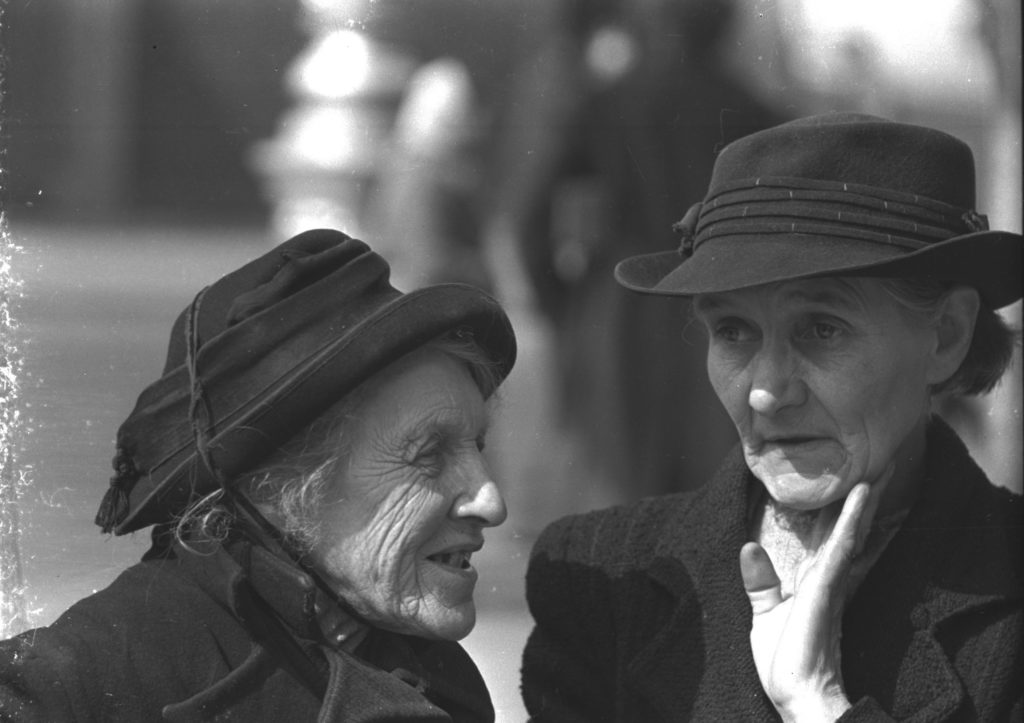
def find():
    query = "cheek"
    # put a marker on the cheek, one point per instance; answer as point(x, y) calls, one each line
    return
point(380, 537)
point(400, 523)
point(726, 379)
point(897, 409)
point(876, 408)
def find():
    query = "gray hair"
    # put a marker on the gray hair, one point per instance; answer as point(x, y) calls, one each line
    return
point(992, 345)
point(291, 485)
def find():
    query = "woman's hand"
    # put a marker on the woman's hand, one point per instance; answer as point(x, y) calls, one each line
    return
point(795, 641)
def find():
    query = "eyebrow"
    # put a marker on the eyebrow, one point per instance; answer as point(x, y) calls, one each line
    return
point(705, 303)
point(453, 422)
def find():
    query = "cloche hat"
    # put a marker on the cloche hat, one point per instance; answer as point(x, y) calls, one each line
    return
point(265, 350)
point(839, 194)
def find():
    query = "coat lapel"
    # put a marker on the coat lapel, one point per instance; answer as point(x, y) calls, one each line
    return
point(705, 671)
point(361, 693)
point(955, 558)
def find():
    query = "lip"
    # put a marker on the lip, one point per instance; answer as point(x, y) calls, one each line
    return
point(456, 558)
point(469, 546)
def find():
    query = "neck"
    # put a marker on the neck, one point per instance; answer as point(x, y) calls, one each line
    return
point(789, 536)
point(902, 488)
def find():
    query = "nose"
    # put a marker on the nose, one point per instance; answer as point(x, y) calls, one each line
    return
point(776, 382)
point(481, 501)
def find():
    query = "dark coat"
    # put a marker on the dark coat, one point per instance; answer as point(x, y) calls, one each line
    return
point(197, 637)
point(641, 613)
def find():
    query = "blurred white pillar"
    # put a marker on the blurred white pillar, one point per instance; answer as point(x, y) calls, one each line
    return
point(422, 214)
point(319, 168)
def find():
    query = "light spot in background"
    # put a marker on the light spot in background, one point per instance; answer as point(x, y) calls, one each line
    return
point(611, 53)
point(892, 42)
point(344, 67)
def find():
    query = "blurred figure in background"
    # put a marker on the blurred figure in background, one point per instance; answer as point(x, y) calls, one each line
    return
point(615, 119)
point(427, 197)
point(430, 185)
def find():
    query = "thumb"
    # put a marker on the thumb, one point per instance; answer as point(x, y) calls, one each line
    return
point(764, 589)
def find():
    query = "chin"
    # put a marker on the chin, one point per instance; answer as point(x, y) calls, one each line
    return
point(804, 493)
point(458, 632)
point(455, 630)
point(449, 624)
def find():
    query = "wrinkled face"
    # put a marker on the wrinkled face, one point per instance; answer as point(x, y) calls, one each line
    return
point(411, 500)
point(826, 380)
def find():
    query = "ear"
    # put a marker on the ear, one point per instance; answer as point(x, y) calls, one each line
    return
point(954, 331)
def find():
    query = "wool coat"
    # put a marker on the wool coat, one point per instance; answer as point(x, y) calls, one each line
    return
point(225, 636)
point(641, 613)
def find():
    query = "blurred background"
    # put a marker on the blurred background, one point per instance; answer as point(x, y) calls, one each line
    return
point(524, 146)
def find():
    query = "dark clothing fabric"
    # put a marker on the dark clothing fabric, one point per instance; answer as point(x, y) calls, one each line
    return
point(225, 636)
point(641, 613)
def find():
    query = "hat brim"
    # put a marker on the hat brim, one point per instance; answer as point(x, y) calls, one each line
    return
point(289, 403)
point(988, 260)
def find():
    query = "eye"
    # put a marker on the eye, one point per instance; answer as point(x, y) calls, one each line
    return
point(442, 448)
point(430, 456)
point(825, 331)
point(733, 331)
point(822, 331)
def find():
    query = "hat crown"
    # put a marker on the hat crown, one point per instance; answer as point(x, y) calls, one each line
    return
point(838, 194)
point(264, 351)
point(854, 148)
point(289, 277)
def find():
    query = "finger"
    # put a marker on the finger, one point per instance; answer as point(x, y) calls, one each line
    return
point(841, 546)
point(825, 523)
point(764, 589)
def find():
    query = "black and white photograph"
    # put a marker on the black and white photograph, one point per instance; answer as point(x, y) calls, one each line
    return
point(511, 361)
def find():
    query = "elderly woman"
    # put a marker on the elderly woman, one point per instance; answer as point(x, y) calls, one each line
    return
point(311, 463)
point(849, 560)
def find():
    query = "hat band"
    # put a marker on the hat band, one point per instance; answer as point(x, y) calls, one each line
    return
point(835, 209)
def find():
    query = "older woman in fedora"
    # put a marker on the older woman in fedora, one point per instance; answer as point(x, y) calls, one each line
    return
point(849, 560)
point(310, 462)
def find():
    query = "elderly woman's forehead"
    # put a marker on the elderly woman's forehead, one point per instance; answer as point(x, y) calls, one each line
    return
point(852, 293)
point(426, 378)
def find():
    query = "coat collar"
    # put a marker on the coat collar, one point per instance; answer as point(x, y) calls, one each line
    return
point(274, 601)
point(957, 554)
point(935, 553)
point(697, 563)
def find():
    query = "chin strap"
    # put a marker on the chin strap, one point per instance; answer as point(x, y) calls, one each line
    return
point(249, 520)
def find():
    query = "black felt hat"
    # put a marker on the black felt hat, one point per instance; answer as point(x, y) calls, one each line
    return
point(265, 350)
point(839, 194)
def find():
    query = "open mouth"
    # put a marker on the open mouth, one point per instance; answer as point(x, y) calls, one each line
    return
point(792, 440)
point(458, 559)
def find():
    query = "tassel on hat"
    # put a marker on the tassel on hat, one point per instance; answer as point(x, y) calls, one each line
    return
point(114, 505)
